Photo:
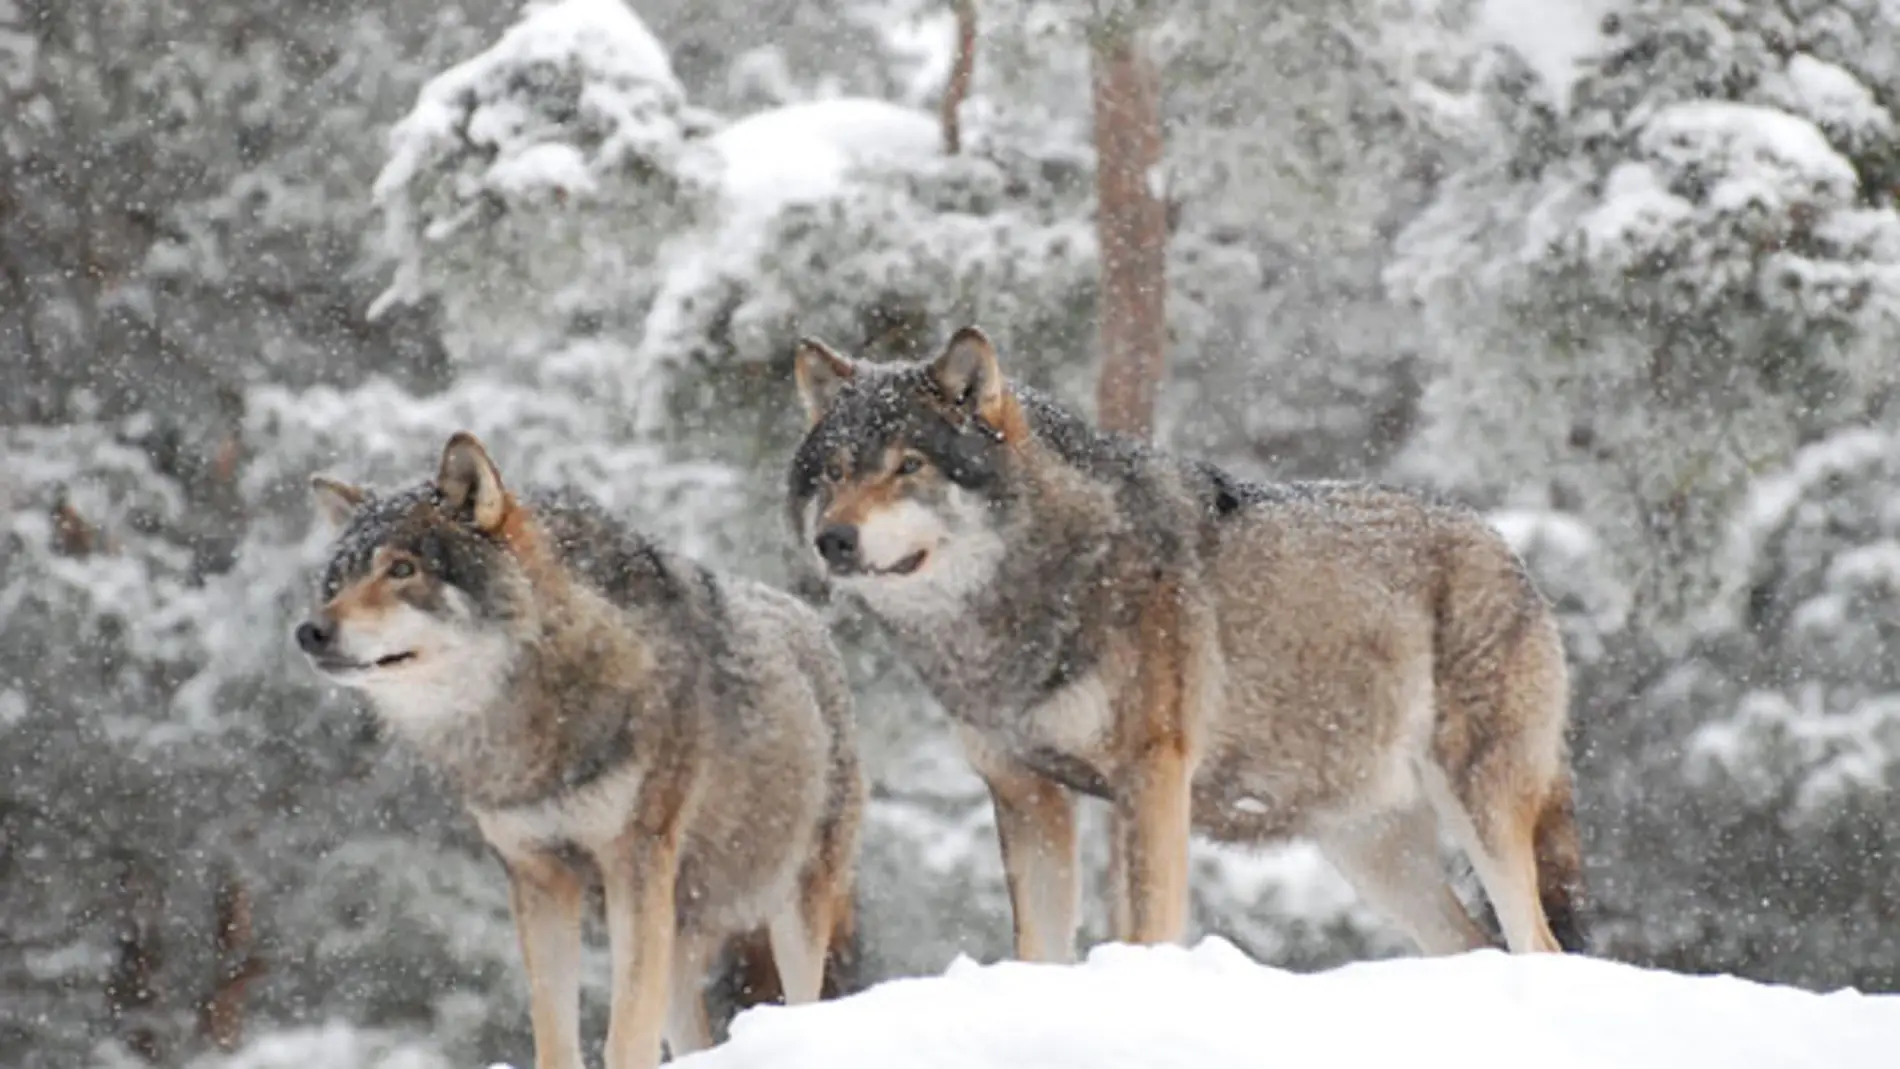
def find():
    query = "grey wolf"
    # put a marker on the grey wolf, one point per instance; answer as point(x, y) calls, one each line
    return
point(605, 709)
point(1350, 663)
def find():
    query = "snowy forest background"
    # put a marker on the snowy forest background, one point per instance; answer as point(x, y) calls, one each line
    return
point(1625, 273)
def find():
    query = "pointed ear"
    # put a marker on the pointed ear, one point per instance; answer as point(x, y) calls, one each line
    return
point(821, 372)
point(469, 483)
point(969, 375)
point(336, 501)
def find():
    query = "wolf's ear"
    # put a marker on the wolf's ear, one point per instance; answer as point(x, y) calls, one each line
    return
point(336, 501)
point(969, 375)
point(470, 485)
point(821, 372)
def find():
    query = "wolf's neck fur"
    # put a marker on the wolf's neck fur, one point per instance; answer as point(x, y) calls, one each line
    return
point(987, 633)
point(507, 715)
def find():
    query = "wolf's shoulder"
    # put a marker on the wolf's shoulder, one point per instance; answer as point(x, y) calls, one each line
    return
point(612, 555)
point(1079, 443)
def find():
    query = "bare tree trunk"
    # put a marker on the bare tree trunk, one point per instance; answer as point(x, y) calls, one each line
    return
point(221, 1014)
point(960, 72)
point(132, 996)
point(1131, 224)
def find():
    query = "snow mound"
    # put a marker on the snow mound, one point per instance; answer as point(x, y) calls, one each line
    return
point(1211, 1007)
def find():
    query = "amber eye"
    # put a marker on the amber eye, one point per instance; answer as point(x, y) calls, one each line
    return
point(402, 569)
point(834, 472)
point(910, 465)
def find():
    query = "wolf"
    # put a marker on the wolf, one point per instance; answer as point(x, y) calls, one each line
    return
point(607, 710)
point(1349, 663)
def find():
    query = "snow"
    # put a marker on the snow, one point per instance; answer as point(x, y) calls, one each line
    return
point(802, 152)
point(547, 166)
point(333, 1045)
point(1774, 742)
point(1745, 142)
point(1638, 215)
point(1828, 94)
point(1773, 498)
point(1529, 529)
point(1295, 877)
point(602, 38)
point(1210, 1007)
point(576, 89)
point(1551, 36)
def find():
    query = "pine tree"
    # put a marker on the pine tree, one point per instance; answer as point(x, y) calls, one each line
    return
point(1663, 278)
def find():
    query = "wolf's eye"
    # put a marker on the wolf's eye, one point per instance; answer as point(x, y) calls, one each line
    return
point(402, 569)
point(834, 472)
point(910, 465)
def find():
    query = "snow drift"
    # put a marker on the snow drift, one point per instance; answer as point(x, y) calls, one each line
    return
point(1211, 1007)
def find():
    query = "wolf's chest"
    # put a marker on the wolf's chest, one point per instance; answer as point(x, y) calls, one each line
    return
point(590, 816)
point(1077, 718)
point(1068, 735)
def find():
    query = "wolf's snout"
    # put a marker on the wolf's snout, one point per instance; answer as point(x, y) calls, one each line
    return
point(315, 635)
point(838, 545)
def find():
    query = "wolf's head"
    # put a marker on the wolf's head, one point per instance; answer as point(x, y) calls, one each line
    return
point(897, 487)
point(425, 588)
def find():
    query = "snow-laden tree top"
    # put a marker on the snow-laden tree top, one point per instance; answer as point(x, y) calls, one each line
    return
point(1695, 217)
point(577, 96)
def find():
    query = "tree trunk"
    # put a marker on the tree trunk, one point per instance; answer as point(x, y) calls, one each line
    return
point(132, 996)
point(960, 71)
point(221, 1013)
point(1131, 224)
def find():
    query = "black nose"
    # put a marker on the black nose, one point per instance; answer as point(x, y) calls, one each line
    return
point(314, 636)
point(838, 544)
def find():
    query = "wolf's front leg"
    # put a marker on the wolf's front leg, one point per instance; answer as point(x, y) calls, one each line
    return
point(1152, 825)
point(545, 896)
point(638, 872)
point(1035, 826)
point(1116, 882)
point(1160, 724)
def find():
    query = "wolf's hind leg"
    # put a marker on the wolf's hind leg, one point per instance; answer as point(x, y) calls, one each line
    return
point(1497, 755)
point(1392, 861)
point(1500, 849)
point(810, 933)
point(1492, 805)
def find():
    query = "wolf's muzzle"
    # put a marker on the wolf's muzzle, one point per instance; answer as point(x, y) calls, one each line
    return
point(838, 545)
point(316, 635)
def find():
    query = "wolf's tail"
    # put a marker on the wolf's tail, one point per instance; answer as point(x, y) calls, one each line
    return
point(1560, 866)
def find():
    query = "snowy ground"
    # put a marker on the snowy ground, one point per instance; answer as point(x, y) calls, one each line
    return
point(1210, 1007)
